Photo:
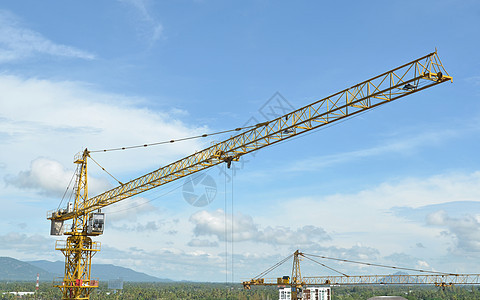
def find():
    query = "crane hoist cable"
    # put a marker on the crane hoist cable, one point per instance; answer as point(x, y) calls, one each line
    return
point(225, 217)
point(233, 223)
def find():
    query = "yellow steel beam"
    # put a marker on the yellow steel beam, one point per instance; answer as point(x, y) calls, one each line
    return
point(407, 79)
point(434, 279)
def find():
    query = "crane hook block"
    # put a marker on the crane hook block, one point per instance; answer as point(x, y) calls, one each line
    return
point(229, 160)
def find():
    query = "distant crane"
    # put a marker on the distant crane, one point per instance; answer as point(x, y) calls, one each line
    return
point(88, 220)
point(299, 284)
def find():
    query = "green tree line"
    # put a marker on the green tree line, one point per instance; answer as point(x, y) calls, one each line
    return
point(213, 291)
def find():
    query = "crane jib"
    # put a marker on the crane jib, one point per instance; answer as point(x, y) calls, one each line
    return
point(397, 83)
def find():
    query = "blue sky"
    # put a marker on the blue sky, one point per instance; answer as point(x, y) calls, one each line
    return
point(398, 185)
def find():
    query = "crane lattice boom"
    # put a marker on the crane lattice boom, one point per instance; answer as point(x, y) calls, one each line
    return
point(407, 79)
point(432, 279)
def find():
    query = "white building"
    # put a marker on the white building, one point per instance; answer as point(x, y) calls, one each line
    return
point(317, 293)
point(311, 293)
point(20, 293)
point(285, 294)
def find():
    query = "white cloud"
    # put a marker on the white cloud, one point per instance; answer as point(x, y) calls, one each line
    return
point(368, 216)
point(407, 192)
point(50, 178)
point(392, 146)
point(193, 264)
point(465, 231)
point(244, 229)
point(419, 245)
point(58, 119)
point(48, 119)
point(148, 26)
point(401, 259)
point(210, 264)
point(32, 246)
point(18, 42)
point(473, 80)
point(129, 211)
point(357, 252)
point(213, 223)
point(437, 218)
point(202, 243)
point(43, 123)
point(150, 226)
point(422, 265)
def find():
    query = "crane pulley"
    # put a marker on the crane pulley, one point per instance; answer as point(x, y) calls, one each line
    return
point(87, 220)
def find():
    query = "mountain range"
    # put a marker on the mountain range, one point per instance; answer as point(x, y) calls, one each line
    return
point(15, 270)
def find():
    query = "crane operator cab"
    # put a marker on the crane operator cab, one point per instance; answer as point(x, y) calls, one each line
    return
point(96, 223)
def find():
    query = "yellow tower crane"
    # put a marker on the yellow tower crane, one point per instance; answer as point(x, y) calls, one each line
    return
point(87, 220)
point(299, 284)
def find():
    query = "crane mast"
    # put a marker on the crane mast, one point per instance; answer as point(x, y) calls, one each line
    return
point(87, 220)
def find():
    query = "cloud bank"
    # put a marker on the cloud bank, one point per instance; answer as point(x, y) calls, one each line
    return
point(18, 42)
point(50, 178)
point(244, 229)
